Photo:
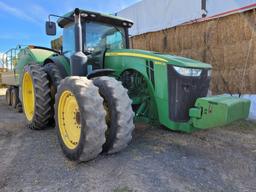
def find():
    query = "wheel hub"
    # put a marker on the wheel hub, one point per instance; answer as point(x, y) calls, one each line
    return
point(78, 117)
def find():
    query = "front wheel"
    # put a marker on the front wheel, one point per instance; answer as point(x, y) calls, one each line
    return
point(80, 118)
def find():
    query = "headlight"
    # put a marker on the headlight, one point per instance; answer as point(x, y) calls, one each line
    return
point(209, 73)
point(188, 71)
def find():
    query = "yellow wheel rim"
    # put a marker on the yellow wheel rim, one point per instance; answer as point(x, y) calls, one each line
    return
point(69, 119)
point(28, 96)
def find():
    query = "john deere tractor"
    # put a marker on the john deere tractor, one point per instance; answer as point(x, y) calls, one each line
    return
point(95, 87)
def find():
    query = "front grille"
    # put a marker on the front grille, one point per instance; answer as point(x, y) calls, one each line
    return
point(183, 92)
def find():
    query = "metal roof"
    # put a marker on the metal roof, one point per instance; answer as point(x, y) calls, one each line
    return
point(231, 12)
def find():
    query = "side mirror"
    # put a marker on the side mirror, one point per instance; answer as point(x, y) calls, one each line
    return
point(50, 28)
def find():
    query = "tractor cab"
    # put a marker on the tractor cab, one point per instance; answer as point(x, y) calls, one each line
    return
point(99, 33)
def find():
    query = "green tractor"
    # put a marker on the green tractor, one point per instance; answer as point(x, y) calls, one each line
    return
point(96, 87)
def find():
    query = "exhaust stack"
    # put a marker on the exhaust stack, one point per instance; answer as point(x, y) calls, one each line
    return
point(78, 60)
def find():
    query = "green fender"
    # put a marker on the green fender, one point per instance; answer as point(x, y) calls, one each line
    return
point(61, 61)
point(30, 55)
point(123, 64)
point(153, 113)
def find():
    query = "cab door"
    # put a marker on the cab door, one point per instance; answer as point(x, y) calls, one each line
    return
point(100, 37)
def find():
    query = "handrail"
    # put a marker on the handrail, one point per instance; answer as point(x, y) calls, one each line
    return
point(10, 57)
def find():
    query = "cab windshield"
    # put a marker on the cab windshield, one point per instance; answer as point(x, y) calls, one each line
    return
point(102, 36)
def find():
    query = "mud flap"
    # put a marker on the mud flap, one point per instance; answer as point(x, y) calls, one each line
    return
point(217, 111)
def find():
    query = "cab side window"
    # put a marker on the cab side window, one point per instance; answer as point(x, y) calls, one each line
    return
point(68, 41)
point(101, 36)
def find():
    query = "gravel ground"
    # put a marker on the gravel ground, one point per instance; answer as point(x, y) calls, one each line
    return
point(221, 159)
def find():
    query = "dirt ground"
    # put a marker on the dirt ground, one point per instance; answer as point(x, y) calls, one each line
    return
point(221, 159)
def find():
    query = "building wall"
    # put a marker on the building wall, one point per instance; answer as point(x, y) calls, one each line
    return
point(228, 43)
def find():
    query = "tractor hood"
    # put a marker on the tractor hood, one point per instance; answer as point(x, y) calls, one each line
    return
point(158, 57)
point(184, 62)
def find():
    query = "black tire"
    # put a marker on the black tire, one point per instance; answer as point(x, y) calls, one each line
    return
point(8, 96)
point(19, 108)
point(42, 96)
point(120, 114)
point(14, 97)
point(55, 75)
point(92, 118)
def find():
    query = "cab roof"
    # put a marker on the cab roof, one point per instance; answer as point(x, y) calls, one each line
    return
point(94, 16)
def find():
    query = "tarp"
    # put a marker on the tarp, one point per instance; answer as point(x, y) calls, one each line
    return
point(151, 15)
point(219, 6)
point(252, 98)
point(2, 59)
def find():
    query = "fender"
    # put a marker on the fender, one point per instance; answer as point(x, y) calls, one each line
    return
point(62, 63)
point(100, 72)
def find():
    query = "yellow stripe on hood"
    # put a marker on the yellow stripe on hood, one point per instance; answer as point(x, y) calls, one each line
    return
point(136, 55)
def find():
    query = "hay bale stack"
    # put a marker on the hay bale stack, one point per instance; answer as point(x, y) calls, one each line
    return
point(56, 44)
point(228, 43)
point(2, 70)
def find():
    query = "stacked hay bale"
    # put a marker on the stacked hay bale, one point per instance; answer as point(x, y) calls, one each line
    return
point(228, 43)
point(56, 44)
point(2, 70)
